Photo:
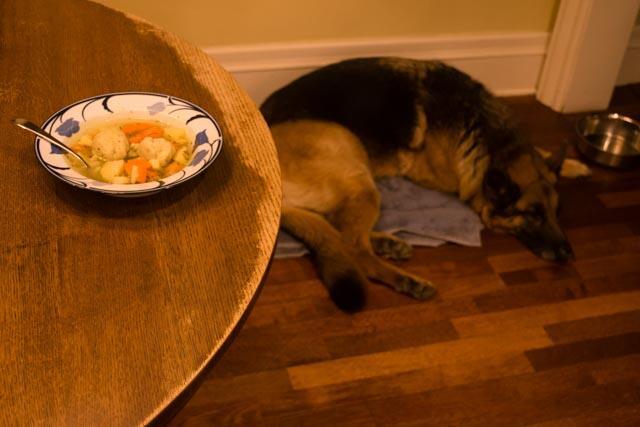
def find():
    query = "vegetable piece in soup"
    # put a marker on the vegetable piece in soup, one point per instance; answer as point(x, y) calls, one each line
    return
point(132, 151)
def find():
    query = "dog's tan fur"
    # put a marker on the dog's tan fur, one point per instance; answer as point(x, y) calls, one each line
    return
point(328, 184)
point(331, 201)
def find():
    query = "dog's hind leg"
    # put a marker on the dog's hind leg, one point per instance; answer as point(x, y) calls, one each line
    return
point(331, 203)
point(336, 266)
point(354, 220)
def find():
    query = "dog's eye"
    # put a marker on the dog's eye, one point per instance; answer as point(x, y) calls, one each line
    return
point(535, 212)
point(509, 210)
point(538, 210)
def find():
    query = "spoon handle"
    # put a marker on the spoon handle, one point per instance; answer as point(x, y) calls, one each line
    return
point(31, 127)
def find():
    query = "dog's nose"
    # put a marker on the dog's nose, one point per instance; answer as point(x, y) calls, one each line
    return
point(560, 254)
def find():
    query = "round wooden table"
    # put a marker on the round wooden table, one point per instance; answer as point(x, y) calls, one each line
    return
point(111, 309)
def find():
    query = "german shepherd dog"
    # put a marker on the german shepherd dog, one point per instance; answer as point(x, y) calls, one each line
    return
point(338, 128)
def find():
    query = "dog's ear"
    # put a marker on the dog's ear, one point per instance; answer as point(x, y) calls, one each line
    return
point(555, 160)
point(499, 189)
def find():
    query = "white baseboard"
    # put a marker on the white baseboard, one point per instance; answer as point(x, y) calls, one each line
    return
point(507, 63)
point(630, 69)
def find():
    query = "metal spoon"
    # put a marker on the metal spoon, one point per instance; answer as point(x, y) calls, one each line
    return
point(31, 127)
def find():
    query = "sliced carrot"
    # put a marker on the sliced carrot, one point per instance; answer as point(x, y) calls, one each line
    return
point(172, 168)
point(131, 128)
point(138, 161)
point(154, 132)
point(143, 168)
point(142, 176)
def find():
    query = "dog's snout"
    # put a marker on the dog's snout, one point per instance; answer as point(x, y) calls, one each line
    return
point(549, 246)
point(565, 253)
point(561, 253)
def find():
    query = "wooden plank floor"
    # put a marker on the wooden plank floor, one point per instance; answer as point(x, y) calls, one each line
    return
point(509, 340)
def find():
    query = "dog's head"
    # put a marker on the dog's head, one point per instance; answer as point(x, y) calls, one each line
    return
point(524, 203)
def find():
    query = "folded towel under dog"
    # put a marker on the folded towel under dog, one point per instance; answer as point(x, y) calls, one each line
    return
point(417, 215)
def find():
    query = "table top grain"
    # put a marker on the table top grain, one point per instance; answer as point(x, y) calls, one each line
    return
point(111, 309)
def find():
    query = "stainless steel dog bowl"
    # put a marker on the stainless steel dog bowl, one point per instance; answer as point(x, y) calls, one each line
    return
point(609, 139)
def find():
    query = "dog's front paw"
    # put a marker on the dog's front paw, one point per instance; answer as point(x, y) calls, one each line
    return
point(391, 247)
point(419, 289)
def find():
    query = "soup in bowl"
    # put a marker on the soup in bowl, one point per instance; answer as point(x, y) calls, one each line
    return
point(131, 151)
point(136, 144)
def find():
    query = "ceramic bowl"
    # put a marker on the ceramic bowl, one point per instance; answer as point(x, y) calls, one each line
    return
point(71, 119)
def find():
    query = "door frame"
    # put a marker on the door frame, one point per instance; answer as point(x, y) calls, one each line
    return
point(586, 49)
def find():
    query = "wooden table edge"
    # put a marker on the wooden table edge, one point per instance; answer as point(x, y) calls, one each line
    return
point(164, 415)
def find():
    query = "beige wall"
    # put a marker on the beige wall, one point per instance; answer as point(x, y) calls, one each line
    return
point(215, 22)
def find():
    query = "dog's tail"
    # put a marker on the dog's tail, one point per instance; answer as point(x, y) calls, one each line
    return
point(338, 270)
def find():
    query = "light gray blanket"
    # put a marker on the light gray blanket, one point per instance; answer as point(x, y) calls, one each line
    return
point(419, 216)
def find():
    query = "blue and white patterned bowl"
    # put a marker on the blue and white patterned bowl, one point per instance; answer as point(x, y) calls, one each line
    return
point(70, 120)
